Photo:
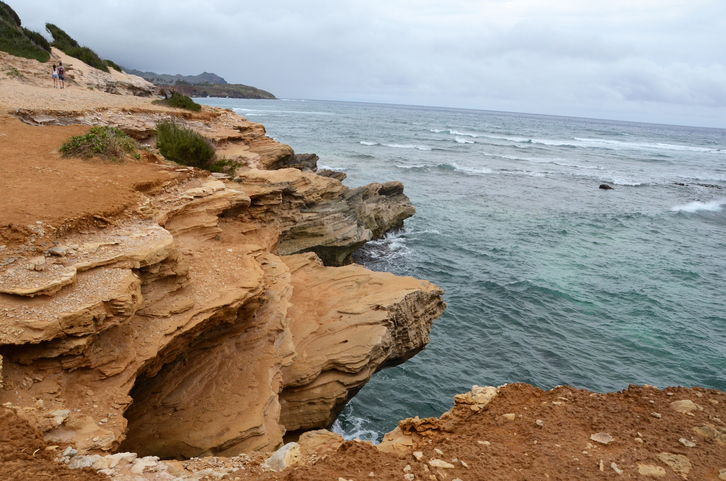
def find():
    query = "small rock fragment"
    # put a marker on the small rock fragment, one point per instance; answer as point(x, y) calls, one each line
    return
point(438, 451)
point(656, 415)
point(418, 455)
point(79, 462)
point(37, 263)
point(70, 452)
point(722, 475)
point(141, 464)
point(684, 406)
point(602, 438)
point(485, 443)
point(438, 463)
point(687, 443)
point(539, 423)
point(616, 468)
point(59, 251)
point(638, 440)
point(650, 470)
point(677, 462)
point(407, 469)
point(509, 417)
point(409, 477)
point(464, 464)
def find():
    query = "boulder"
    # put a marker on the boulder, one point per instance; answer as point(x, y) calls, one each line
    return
point(286, 456)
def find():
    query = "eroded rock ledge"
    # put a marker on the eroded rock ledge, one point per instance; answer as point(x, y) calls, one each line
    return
point(202, 320)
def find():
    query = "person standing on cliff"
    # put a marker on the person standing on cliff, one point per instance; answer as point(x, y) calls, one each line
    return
point(61, 75)
point(55, 77)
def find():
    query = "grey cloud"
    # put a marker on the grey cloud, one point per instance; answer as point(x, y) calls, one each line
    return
point(646, 60)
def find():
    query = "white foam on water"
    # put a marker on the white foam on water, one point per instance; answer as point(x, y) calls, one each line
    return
point(240, 110)
point(647, 145)
point(407, 146)
point(355, 430)
point(413, 166)
point(329, 167)
point(459, 140)
point(396, 146)
point(455, 132)
point(471, 170)
point(713, 206)
point(607, 144)
point(391, 245)
point(624, 182)
point(463, 134)
point(562, 163)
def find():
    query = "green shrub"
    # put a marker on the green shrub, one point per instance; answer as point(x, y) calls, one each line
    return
point(113, 65)
point(37, 38)
point(61, 39)
point(9, 14)
point(179, 101)
point(183, 145)
point(64, 42)
point(106, 142)
point(187, 147)
point(14, 41)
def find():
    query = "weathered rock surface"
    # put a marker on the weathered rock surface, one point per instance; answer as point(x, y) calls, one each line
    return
point(182, 327)
point(347, 323)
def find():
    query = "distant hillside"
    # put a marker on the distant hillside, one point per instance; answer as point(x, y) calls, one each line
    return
point(234, 91)
point(166, 79)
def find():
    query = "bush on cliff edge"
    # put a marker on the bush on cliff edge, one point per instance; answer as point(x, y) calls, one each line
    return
point(106, 142)
point(187, 147)
point(179, 101)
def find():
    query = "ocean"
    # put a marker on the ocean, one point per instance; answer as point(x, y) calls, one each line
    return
point(549, 279)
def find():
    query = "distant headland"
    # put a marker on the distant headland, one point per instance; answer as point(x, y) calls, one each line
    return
point(203, 85)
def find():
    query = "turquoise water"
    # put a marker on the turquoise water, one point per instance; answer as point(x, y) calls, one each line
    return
point(549, 279)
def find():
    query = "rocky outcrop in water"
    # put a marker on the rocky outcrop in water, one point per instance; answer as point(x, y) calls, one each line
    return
point(323, 215)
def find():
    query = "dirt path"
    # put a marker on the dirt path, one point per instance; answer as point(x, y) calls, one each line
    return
point(40, 189)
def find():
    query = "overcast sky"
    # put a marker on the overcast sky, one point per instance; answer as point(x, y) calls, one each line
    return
point(661, 61)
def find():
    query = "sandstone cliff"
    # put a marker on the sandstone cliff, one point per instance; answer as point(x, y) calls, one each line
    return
point(168, 312)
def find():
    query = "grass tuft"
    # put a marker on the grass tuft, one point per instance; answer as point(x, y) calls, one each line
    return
point(179, 101)
point(187, 147)
point(106, 142)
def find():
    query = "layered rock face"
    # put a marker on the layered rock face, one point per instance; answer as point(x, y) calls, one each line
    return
point(347, 323)
point(201, 320)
